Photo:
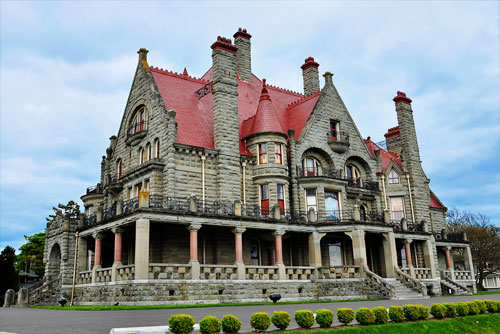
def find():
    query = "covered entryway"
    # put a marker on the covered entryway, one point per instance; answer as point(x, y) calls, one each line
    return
point(375, 257)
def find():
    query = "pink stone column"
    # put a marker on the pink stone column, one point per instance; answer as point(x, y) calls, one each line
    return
point(448, 258)
point(408, 253)
point(193, 245)
point(118, 245)
point(278, 245)
point(238, 244)
point(98, 244)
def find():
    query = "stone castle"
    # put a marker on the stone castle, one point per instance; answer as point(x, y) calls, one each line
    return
point(225, 188)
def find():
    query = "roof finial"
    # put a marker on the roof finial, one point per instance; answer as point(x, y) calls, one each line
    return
point(264, 95)
point(185, 72)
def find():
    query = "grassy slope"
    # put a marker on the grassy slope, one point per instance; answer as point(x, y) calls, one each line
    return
point(480, 324)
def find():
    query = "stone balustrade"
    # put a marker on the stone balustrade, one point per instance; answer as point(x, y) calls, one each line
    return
point(169, 271)
point(299, 273)
point(217, 271)
point(406, 270)
point(103, 275)
point(125, 273)
point(460, 274)
point(261, 272)
point(422, 273)
point(338, 272)
point(85, 277)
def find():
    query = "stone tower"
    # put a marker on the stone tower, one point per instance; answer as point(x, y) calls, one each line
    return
point(226, 123)
point(243, 54)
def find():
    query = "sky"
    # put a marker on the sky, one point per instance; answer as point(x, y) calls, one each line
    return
point(66, 69)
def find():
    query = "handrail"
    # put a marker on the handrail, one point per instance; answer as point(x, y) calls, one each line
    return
point(410, 282)
point(379, 283)
point(452, 283)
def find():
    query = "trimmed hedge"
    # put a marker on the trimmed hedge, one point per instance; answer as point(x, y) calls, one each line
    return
point(451, 309)
point(281, 319)
point(210, 325)
point(230, 324)
point(304, 318)
point(438, 311)
point(423, 312)
point(181, 323)
point(491, 305)
point(260, 321)
point(481, 305)
point(324, 318)
point(396, 313)
point(411, 312)
point(473, 308)
point(381, 315)
point(462, 309)
point(345, 315)
point(365, 316)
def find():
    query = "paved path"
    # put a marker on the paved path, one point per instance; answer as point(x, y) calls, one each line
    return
point(40, 321)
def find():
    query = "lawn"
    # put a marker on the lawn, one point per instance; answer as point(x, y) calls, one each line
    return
point(157, 307)
point(480, 324)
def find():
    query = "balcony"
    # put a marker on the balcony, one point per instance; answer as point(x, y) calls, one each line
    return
point(451, 237)
point(340, 142)
point(136, 132)
point(362, 184)
point(319, 171)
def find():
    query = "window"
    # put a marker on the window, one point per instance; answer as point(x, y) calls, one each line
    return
point(278, 153)
point(130, 193)
point(139, 122)
point(332, 205)
point(264, 199)
point(333, 130)
point(362, 213)
point(311, 167)
point(120, 168)
point(149, 152)
point(142, 119)
point(146, 184)
point(397, 208)
point(262, 154)
point(353, 176)
point(142, 155)
point(139, 188)
point(157, 148)
point(281, 198)
point(311, 200)
point(90, 210)
point(393, 177)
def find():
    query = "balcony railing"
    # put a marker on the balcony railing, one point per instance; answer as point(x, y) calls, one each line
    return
point(449, 236)
point(319, 171)
point(137, 128)
point(363, 184)
point(338, 136)
point(92, 190)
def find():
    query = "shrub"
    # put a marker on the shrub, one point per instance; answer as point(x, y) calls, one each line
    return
point(462, 309)
point(230, 324)
point(210, 325)
point(491, 306)
point(260, 321)
point(281, 319)
point(411, 312)
point(324, 318)
point(438, 311)
point(345, 315)
point(451, 309)
point(473, 308)
point(481, 305)
point(381, 315)
point(304, 318)
point(181, 323)
point(365, 316)
point(423, 312)
point(396, 313)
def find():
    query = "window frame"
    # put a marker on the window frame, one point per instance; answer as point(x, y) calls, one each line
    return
point(281, 201)
point(308, 206)
point(278, 153)
point(264, 200)
point(394, 218)
point(391, 178)
point(334, 130)
point(262, 151)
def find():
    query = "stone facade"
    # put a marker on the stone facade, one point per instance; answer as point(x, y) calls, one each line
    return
point(224, 188)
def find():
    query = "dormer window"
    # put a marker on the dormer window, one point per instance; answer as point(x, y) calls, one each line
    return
point(262, 154)
point(393, 177)
point(139, 122)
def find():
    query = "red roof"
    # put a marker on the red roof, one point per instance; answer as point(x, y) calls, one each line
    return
point(435, 202)
point(195, 116)
point(385, 155)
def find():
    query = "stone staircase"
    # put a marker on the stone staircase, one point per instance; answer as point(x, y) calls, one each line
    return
point(457, 289)
point(403, 292)
point(46, 294)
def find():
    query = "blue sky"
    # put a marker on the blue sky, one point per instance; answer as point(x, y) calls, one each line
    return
point(67, 67)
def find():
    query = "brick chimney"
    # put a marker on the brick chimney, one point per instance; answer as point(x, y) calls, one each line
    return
point(311, 76)
point(243, 55)
point(226, 123)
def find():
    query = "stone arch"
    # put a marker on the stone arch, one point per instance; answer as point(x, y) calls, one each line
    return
point(361, 165)
point(320, 155)
point(54, 265)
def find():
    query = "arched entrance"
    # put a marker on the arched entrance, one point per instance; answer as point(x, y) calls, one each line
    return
point(54, 264)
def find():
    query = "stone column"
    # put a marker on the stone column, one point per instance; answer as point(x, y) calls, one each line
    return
point(315, 251)
point(429, 257)
point(193, 251)
point(390, 254)
point(468, 262)
point(82, 255)
point(358, 248)
point(279, 253)
point(97, 255)
point(408, 257)
point(238, 247)
point(118, 252)
point(142, 249)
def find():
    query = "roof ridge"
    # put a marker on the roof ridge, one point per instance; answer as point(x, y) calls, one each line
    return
point(178, 75)
point(284, 90)
point(304, 99)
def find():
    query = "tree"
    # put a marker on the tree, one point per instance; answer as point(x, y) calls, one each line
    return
point(70, 211)
point(484, 239)
point(31, 256)
point(9, 278)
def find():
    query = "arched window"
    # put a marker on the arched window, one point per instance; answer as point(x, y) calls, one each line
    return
point(310, 167)
point(142, 155)
point(149, 152)
point(139, 121)
point(157, 148)
point(362, 212)
point(353, 175)
point(393, 177)
point(120, 168)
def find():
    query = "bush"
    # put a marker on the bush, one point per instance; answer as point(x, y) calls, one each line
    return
point(438, 311)
point(462, 309)
point(473, 308)
point(491, 306)
point(423, 312)
point(210, 325)
point(481, 305)
point(181, 323)
point(411, 312)
point(324, 318)
point(451, 309)
point(381, 315)
point(230, 324)
point(365, 316)
point(396, 313)
point(345, 315)
point(304, 318)
point(260, 321)
point(281, 319)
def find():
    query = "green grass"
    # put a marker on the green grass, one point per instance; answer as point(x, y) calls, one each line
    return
point(159, 307)
point(480, 324)
point(477, 293)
